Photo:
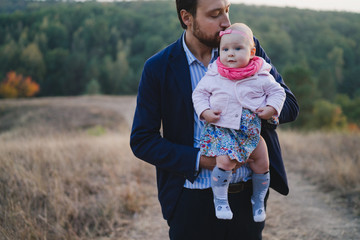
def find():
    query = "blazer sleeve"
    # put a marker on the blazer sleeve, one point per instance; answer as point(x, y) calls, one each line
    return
point(146, 140)
point(290, 108)
point(275, 94)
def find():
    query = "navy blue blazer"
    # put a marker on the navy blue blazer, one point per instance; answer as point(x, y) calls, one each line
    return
point(163, 127)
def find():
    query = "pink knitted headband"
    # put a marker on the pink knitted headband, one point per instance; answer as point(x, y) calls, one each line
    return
point(229, 31)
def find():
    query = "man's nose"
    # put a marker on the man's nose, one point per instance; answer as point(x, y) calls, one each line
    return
point(225, 23)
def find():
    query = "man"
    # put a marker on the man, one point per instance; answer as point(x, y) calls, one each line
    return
point(164, 100)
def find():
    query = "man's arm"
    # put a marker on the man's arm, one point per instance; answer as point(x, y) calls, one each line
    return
point(146, 141)
point(290, 109)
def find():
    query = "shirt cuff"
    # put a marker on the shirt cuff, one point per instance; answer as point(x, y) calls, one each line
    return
point(197, 167)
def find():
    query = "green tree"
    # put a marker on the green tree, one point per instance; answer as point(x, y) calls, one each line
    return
point(24, 38)
point(55, 84)
point(303, 85)
point(336, 58)
point(278, 45)
point(350, 107)
point(75, 74)
point(56, 33)
point(9, 56)
point(327, 84)
point(117, 74)
point(33, 62)
point(93, 87)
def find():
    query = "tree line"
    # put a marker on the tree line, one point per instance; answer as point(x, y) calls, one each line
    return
point(74, 48)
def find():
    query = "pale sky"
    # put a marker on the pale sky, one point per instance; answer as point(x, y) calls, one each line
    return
point(327, 5)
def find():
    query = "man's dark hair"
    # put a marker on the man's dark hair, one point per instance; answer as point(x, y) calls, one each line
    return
point(188, 5)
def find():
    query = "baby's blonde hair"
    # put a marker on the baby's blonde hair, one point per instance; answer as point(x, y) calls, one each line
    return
point(244, 28)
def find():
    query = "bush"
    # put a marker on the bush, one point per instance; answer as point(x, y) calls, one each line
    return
point(327, 116)
point(93, 87)
point(17, 86)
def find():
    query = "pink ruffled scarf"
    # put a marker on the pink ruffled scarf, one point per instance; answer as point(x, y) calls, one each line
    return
point(240, 73)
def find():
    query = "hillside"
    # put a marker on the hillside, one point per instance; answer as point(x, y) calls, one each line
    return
point(62, 115)
point(68, 173)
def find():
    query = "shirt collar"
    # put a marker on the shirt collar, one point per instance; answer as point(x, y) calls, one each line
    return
point(191, 58)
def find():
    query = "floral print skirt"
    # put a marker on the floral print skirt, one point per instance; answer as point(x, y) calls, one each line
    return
point(237, 144)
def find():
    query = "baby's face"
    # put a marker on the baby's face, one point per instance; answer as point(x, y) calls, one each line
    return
point(235, 50)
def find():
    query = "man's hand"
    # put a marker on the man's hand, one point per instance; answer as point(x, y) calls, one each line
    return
point(210, 162)
point(207, 162)
point(210, 116)
point(239, 164)
point(266, 112)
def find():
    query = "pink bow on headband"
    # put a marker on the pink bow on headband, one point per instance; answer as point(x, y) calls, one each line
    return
point(229, 31)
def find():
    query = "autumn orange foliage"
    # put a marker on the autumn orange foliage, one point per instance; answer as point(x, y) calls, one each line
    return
point(353, 128)
point(17, 86)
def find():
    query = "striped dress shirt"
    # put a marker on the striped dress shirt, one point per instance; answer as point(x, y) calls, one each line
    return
point(197, 71)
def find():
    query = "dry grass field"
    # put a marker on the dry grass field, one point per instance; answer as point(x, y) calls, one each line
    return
point(67, 172)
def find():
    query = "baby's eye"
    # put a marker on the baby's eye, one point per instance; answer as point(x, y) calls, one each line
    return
point(225, 49)
point(238, 48)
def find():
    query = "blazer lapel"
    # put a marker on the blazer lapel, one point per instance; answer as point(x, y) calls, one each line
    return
point(180, 67)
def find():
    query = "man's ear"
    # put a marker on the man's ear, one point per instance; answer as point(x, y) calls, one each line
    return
point(186, 17)
point(252, 52)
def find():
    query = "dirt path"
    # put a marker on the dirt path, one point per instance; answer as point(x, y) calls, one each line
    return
point(308, 214)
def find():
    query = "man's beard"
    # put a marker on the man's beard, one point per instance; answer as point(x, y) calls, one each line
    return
point(212, 42)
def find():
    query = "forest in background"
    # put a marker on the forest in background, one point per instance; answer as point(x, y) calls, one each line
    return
point(74, 48)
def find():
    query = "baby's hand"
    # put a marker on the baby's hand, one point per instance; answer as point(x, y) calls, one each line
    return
point(266, 112)
point(210, 116)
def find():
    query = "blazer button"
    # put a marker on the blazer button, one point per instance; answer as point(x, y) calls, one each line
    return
point(237, 115)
